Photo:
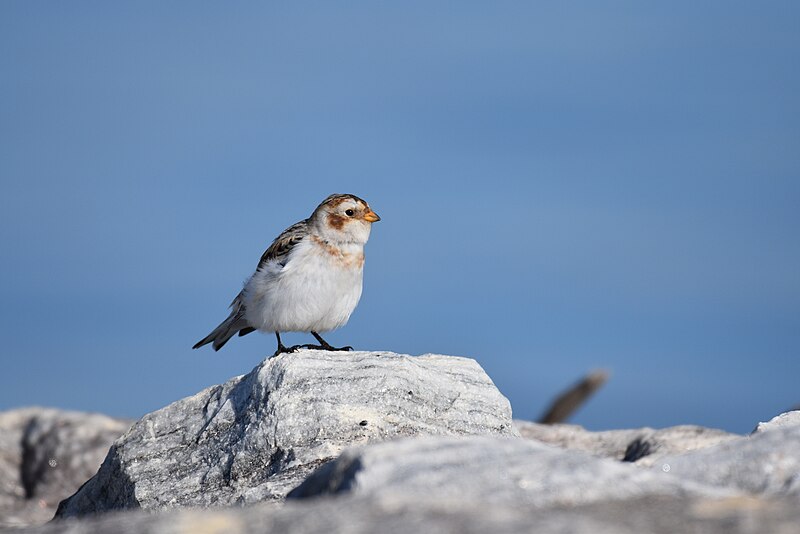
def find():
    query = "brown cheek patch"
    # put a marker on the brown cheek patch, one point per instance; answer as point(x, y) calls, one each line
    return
point(336, 221)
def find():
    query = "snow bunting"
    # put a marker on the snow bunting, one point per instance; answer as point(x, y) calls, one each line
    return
point(308, 280)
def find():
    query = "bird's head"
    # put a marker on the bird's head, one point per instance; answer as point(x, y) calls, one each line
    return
point(344, 219)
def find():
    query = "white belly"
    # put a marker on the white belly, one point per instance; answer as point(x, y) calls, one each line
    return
point(314, 291)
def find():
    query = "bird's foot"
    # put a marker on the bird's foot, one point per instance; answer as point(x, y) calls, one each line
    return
point(330, 347)
point(324, 345)
point(286, 350)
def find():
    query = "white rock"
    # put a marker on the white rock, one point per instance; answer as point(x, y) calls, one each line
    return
point(644, 446)
point(367, 515)
point(257, 436)
point(45, 455)
point(785, 419)
point(489, 471)
point(766, 463)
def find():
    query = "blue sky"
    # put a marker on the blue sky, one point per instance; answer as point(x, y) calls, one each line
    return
point(563, 187)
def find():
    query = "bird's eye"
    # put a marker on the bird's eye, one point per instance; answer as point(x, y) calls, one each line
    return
point(349, 213)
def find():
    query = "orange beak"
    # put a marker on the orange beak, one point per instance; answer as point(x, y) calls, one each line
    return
point(371, 216)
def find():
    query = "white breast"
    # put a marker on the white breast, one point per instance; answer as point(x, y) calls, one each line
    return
point(316, 289)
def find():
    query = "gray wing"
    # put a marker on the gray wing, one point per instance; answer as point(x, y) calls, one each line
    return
point(278, 251)
point(280, 248)
point(236, 323)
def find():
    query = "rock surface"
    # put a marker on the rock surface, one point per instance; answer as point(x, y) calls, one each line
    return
point(489, 471)
point(45, 455)
point(257, 436)
point(428, 446)
point(368, 515)
point(791, 418)
point(766, 463)
point(644, 446)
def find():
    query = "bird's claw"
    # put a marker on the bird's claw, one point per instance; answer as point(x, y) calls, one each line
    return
point(322, 347)
point(295, 348)
point(289, 350)
point(334, 349)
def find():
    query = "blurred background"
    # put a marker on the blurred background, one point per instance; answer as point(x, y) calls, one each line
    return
point(563, 187)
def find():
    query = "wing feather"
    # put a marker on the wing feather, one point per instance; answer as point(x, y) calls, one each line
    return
point(280, 248)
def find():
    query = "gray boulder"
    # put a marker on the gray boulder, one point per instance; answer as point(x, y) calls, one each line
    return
point(45, 455)
point(606, 444)
point(368, 515)
point(259, 435)
point(644, 446)
point(489, 471)
point(791, 418)
point(766, 463)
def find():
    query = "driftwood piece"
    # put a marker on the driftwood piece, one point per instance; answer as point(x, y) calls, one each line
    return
point(568, 402)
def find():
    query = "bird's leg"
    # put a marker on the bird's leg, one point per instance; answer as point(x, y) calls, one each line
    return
point(282, 348)
point(324, 345)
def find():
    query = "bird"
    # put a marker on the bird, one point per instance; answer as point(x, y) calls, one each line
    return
point(308, 280)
